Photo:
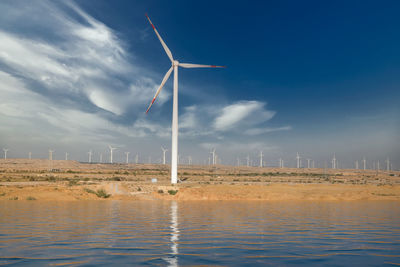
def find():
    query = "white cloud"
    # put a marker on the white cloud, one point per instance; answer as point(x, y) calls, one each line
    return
point(235, 114)
point(258, 131)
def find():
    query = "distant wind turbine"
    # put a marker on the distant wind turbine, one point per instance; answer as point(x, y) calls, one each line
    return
point(164, 150)
point(387, 164)
point(364, 163)
point(51, 154)
point(30, 155)
point(127, 157)
point(66, 155)
point(90, 156)
point(213, 156)
point(261, 159)
point(334, 161)
point(174, 67)
point(298, 160)
point(280, 163)
point(5, 152)
point(111, 152)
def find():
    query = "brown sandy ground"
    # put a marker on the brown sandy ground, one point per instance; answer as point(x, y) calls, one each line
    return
point(22, 179)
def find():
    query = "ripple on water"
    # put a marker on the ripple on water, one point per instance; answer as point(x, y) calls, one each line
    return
point(229, 233)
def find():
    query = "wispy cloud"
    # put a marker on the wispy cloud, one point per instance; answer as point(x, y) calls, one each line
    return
point(68, 77)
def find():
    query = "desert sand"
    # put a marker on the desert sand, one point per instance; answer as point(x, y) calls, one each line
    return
point(58, 180)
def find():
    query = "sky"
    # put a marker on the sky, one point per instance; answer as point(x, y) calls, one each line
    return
point(314, 77)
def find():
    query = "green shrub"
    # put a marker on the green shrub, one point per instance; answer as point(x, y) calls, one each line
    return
point(102, 193)
point(30, 198)
point(13, 198)
point(172, 192)
point(90, 191)
point(72, 182)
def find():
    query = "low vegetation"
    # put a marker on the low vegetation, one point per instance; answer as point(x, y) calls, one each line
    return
point(172, 192)
point(100, 193)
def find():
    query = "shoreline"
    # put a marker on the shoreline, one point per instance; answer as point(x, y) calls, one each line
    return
point(133, 191)
point(39, 179)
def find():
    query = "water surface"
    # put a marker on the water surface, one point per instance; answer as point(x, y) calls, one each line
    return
point(230, 233)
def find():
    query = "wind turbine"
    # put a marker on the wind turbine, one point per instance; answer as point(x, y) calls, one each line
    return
point(101, 158)
point(66, 155)
point(364, 163)
point(261, 159)
point(5, 152)
point(111, 152)
point(280, 163)
point(174, 67)
point(164, 150)
point(298, 160)
point(127, 157)
point(90, 156)
point(30, 155)
point(334, 161)
point(51, 154)
point(308, 163)
point(387, 164)
point(248, 160)
point(213, 156)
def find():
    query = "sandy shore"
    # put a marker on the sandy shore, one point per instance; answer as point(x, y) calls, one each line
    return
point(130, 191)
point(22, 180)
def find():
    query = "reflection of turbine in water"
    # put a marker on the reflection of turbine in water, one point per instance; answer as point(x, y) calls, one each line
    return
point(173, 259)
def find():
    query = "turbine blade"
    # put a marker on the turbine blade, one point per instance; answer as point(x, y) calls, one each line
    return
point(160, 88)
point(189, 65)
point(169, 54)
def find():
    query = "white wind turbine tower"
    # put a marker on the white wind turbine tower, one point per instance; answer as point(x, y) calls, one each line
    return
point(261, 159)
point(127, 157)
point(90, 156)
point(66, 155)
point(248, 160)
point(298, 160)
point(280, 163)
point(164, 150)
point(111, 152)
point(137, 158)
point(51, 154)
point(30, 155)
point(334, 161)
point(308, 163)
point(387, 164)
point(213, 156)
point(356, 164)
point(364, 163)
point(174, 67)
point(5, 152)
point(190, 160)
point(101, 158)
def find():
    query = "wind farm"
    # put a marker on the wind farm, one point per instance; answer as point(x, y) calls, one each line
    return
point(121, 144)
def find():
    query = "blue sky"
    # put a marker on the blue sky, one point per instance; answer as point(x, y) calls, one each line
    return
point(315, 77)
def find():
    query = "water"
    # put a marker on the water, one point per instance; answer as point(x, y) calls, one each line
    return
point(230, 233)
